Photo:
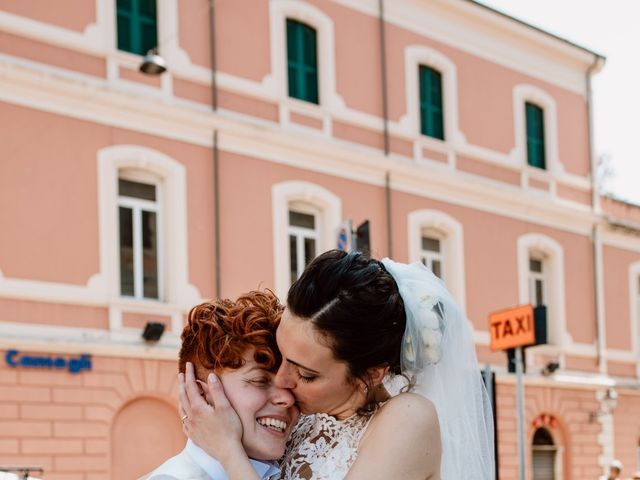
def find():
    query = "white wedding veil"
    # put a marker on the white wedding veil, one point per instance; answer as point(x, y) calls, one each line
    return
point(438, 353)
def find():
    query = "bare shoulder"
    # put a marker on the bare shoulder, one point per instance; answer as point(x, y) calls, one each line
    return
point(407, 413)
point(406, 429)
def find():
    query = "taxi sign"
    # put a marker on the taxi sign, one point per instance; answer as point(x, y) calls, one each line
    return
point(513, 327)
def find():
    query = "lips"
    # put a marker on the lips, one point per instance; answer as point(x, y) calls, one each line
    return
point(275, 424)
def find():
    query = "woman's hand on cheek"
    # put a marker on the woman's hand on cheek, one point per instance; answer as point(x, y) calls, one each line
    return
point(212, 424)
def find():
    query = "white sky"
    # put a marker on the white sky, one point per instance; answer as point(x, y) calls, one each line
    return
point(609, 27)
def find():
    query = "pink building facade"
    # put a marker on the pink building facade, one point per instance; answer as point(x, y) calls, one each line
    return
point(460, 134)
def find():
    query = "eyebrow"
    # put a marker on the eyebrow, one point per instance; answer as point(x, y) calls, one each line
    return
point(302, 366)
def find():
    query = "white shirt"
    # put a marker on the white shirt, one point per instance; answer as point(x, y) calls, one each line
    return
point(215, 470)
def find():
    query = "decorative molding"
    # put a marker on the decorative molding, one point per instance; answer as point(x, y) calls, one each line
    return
point(88, 99)
point(553, 259)
point(529, 93)
point(73, 340)
point(414, 57)
point(279, 12)
point(329, 206)
point(452, 241)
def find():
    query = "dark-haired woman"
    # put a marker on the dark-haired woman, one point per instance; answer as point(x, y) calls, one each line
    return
point(351, 325)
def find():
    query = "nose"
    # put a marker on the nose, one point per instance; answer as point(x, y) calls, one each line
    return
point(284, 377)
point(282, 397)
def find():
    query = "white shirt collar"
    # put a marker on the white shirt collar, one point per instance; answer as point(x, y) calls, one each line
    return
point(215, 470)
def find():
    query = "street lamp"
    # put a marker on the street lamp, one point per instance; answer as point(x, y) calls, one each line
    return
point(153, 63)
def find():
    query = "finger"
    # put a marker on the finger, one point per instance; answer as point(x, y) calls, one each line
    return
point(191, 387)
point(215, 392)
point(184, 404)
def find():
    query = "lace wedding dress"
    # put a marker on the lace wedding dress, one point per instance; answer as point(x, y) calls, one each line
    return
point(322, 447)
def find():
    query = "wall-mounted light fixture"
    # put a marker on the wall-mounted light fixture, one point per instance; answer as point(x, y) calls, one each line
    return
point(153, 63)
point(609, 401)
point(153, 331)
point(550, 368)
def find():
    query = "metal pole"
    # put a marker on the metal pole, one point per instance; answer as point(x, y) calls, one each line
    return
point(520, 407)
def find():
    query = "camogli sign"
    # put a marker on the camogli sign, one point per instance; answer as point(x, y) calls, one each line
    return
point(15, 359)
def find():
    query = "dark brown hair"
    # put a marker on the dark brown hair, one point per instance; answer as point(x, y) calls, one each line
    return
point(218, 333)
point(354, 303)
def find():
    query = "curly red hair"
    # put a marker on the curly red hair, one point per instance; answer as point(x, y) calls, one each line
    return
point(219, 333)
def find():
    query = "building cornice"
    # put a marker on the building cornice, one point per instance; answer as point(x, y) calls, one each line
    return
point(89, 99)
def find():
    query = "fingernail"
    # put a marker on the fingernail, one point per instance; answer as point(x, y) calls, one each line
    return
point(212, 378)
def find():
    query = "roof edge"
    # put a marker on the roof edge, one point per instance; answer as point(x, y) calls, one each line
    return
point(599, 56)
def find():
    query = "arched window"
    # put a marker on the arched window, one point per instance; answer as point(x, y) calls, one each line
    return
point(142, 205)
point(303, 53)
point(306, 219)
point(436, 239)
point(431, 88)
point(541, 281)
point(536, 128)
point(543, 455)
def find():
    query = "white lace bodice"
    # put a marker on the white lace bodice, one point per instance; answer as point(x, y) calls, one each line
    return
point(322, 447)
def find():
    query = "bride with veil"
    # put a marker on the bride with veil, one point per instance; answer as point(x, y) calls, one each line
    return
point(382, 364)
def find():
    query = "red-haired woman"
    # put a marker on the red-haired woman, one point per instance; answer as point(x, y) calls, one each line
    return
point(236, 341)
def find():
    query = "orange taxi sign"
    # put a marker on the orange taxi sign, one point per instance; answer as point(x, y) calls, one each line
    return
point(513, 327)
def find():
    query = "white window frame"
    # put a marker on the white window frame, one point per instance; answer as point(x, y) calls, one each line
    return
point(138, 205)
point(329, 216)
point(133, 161)
point(414, 57)
point(302, 233)
point(279, 12)
point(534, 276)
point(534, 245)
point(451, 247)
point(428, 256)
point(522, 94)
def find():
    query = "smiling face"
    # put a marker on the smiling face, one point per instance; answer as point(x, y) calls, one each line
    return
point(267, 412)
point(319, 382)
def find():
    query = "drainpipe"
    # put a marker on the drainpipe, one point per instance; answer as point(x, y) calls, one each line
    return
point(385, 123)
point(216, 212)
point(595, 232)
point(599, 298)
point(383, 77)
point(212, 53)
point(216, 160)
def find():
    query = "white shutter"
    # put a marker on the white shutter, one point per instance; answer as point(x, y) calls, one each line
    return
point(544, 463)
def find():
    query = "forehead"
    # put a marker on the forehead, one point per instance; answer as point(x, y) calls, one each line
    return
point(300, 342)
point(249, 364)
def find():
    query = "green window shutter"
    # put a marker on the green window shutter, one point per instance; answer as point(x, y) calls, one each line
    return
point(137, 26)
point(431, 112)
point(535, 136)
point(302, 61)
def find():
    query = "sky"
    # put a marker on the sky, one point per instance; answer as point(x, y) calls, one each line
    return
point(608, 27)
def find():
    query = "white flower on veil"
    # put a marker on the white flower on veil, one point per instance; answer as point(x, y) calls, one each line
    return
point(426, 336)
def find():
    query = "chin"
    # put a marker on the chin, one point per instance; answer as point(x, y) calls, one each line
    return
point(266, 455)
